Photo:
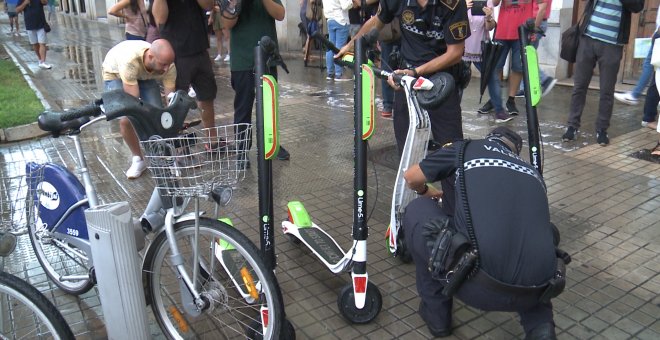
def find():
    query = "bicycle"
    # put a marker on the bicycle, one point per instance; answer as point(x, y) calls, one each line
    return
point(24, 311)
point(202, 277)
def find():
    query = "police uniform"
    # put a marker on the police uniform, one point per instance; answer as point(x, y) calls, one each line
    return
point(425, 34)
point(510, 217)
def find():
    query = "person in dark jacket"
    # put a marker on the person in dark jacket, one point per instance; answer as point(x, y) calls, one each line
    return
point(502, 213)
point(605, 30)
point(35, 24)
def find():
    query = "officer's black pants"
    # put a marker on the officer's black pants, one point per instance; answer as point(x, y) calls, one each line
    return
point(438, 307)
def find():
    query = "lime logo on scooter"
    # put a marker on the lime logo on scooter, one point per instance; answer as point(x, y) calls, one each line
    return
point(533, 72)
point(48, 196)
point(360, 204)
point(368, 103)
point(266, 229)
point(271, 121)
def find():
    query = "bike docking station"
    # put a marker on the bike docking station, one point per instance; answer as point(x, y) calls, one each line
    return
point(119, 278)
point(360, 301)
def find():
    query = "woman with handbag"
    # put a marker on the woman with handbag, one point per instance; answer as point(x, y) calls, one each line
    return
point(134, 14)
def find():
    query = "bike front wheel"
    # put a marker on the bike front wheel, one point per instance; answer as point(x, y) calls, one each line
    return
point(240, 298)
point(26, 314)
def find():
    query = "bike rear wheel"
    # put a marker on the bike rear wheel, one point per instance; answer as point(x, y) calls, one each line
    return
point(26, 314)
point(65, 264)
point(232, 279)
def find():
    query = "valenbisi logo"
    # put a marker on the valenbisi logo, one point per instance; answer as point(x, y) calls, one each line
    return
point(48, 196)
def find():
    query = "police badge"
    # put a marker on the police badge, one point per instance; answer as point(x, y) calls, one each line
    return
point(408, 17)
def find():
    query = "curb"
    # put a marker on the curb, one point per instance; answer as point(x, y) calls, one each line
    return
point(23, 132)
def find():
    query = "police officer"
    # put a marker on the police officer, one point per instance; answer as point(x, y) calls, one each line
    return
point(503, 200)
point(433, 34)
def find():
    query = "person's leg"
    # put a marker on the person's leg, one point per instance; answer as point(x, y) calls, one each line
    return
point(651, 102)
point(126, 129)
point(538, 319)
point(584, 66)
point(218, 43)
point(609, 59)
point(516, 69)
point(329, 55)
point(203, 82)
point(647, 71)
point(243, 84)
point(388, 92)
point(494, 85)
point(341, 38)
point(435, 308)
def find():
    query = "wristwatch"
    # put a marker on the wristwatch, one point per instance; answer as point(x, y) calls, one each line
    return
point(414, 71)
point(426, 188)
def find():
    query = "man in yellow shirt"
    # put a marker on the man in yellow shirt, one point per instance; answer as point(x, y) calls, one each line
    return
point(135, 66)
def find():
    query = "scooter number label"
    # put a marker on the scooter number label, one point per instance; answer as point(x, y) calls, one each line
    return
point(72, 232)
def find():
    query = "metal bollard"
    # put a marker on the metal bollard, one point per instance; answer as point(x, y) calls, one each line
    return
point(118, 269)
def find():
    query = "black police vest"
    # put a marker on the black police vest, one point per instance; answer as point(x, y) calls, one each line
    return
point(510, 214)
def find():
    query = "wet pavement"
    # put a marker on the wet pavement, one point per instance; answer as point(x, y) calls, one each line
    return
point(605, 202)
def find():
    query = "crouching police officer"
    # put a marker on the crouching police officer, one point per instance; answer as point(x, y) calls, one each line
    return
point(498, 251)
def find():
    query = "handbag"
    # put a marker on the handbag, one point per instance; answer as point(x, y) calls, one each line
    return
point(569, 43)
point(390, 32)
point(47, 27)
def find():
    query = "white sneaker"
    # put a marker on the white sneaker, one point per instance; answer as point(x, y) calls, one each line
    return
point(626, 98)
point(137, 168)
point(45, 66)
point(218, 57)
point(192, 92)
point(227, 58)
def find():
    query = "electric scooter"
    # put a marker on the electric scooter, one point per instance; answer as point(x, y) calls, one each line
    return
point(532, 93)
point(361, 301)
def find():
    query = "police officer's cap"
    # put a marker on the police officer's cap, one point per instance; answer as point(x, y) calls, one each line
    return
point(443, 86)
point(512, 136)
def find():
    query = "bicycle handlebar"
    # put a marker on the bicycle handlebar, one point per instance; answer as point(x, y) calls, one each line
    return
point(90, 110)
point(272, 53)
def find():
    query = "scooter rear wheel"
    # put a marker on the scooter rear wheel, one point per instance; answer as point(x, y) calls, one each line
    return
point(372, 305)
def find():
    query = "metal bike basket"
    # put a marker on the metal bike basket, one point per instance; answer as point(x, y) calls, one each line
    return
point(193, 163)
point(15, 196)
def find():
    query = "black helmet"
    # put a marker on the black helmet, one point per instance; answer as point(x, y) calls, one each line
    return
point(510, 135)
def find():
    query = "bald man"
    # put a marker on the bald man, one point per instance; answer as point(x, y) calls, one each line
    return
point(135, 66)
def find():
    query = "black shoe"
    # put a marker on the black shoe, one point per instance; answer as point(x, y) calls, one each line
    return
point(602, 138)
point(283, 155)
point(570, 134)
point(511, 107)
point(486, 109)
point(436, 332)
point(544, 331)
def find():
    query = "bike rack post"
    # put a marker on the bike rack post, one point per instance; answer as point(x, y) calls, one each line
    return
point(112, 241)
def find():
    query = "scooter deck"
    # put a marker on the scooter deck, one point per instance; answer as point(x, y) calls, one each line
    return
point(322, 244)
point(232, 261)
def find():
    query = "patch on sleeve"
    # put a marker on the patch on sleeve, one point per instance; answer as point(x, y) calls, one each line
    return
point(459, 30)
point(451, 4)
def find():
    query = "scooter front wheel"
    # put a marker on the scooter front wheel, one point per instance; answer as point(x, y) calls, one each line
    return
point(372, 305)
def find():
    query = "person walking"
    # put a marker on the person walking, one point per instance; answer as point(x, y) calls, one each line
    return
point(135, 66)
point(498, 251)
point(221, 34)
point(35, 23)
point(605, 31)
point(10, 7)
point(336, 12)
point(135, 16)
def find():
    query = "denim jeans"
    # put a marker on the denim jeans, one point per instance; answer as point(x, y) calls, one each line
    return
point(492, 82)
point(149, 90)
point(338, 34)
point(542, 75)
point(494, 88)
point(388, 92)
point(651, 102)
point(647, 71)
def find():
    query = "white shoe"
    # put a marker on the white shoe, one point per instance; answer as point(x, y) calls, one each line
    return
point(45, 66)
point(227, 58)
point(626, 98)
point(192, 92)
point(218, 57)
point(137, 168)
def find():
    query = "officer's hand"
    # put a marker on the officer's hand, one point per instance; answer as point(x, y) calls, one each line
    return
point(434, 193)
point(392, 83)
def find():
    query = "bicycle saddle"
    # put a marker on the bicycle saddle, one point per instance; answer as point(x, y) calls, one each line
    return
point(443, 86)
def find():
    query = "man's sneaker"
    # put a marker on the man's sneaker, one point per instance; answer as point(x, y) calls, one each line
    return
point(520, 94)
point(626, 98)
point(570, 134)
point(343, 78)
point(486, 109)
point(192, 93)
point(137, 168)
point(547, 85)
point(330, 77)
point(227, 58)
point(501, 117)
point(218, 57)
point(7, 243)
point(601, 137)
point(45, 66)
point(511, 107)
point(283, 155)
point(386, 115)
point(650, 125)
